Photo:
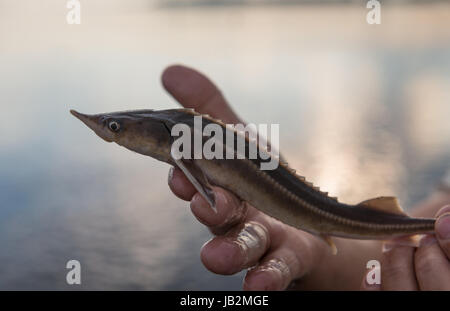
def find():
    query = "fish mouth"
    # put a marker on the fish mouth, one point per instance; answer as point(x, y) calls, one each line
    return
point(93, 122)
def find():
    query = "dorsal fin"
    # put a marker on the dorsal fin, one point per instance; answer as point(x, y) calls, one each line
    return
point(384, 204)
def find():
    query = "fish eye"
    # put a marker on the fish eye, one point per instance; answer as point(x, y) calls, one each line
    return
point(114, 126)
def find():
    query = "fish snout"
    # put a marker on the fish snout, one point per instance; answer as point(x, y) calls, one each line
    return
point(94, 123)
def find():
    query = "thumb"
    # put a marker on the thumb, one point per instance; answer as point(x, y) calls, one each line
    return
point(442, 228)
point(194, 90)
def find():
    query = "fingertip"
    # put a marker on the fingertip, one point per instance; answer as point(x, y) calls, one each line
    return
point(222, 256)
point(180, 185)
point(442, 226)
point(171, 76)
point(273, 274)
point(189, 87)
point(193, 89)
point(261, 281)
point(204, 213)
point(230, 211)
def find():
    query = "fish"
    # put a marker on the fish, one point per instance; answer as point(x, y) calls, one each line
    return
point(280, 193)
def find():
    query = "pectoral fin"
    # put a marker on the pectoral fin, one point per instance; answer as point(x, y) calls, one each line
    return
point(384, 204)
point(198, 180)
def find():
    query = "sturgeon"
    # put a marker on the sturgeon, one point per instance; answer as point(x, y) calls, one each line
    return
point(280, 193)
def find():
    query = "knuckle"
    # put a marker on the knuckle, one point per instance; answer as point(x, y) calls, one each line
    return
point(276, 230)
point(239, 248)
point(252, 240)
point(228, 219)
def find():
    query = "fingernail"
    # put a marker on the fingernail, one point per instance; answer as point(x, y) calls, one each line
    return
point(275, 270)
point(219, 196)
point(427, 240)
point(251, 239)
point(443, 226)
point(199, 201)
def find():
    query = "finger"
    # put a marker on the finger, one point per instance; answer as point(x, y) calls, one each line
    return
point(239, 249)
point(193, 90)
point(431, 265)
point(230, 210)
point(397, 267)
point(275, 272)
point(442, 229)
point(180, 185)
point(290, 258)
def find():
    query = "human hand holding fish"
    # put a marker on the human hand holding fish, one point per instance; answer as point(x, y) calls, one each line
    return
point(425, 268)
point(278, 254)
point(256, 214)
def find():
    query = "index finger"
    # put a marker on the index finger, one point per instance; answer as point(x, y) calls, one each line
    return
point(431, 265)
point(230, 210)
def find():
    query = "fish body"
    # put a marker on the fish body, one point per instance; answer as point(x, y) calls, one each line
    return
point(279, 193)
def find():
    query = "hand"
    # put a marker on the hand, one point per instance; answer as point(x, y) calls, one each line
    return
point(245, 237)
point(424, 268)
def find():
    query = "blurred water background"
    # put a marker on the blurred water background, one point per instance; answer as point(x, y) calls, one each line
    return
point(363, 111)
